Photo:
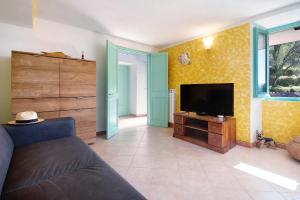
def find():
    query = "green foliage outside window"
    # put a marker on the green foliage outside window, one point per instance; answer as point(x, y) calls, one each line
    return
point(285, 70)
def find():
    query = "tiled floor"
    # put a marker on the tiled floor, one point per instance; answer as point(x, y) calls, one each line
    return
point(163, 167)
point(131, 121)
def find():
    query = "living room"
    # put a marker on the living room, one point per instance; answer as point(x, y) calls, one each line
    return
point(62, 136)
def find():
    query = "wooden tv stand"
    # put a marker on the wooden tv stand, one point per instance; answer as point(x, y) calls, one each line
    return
point(206, 131)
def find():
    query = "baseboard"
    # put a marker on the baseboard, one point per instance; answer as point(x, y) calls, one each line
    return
point(250, 145)
point(281, 145)
point(245, 144)
point(101, 133)
point(142, 115)
point(238, 142)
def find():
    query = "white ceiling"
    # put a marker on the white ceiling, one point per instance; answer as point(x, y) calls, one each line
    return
point(155, 22)
point(16, 12)
point(158, 23)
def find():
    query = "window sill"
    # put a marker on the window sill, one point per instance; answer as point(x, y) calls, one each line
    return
point(283, 99)
point(266, 96)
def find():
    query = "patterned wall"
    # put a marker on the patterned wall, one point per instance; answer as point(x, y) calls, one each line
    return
point(281, 120)
point(227, 61)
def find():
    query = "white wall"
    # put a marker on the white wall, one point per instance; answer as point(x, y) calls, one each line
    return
point(282, 37)
point(138, 82)
point(133, 89)
point(142, 88)
point(51, 36)
point(255, 103)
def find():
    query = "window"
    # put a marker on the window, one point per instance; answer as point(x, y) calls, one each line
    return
point(284, 65)
point(277, 62)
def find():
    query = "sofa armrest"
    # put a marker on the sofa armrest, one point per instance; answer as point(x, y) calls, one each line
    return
point(47, 130)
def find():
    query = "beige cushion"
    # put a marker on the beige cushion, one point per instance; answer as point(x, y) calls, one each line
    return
point(293, 147)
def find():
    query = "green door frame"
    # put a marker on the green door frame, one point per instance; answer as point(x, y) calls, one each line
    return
point(120, 49)
point(111, 90)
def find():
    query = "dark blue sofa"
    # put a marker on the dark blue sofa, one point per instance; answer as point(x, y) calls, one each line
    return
point(47, 161)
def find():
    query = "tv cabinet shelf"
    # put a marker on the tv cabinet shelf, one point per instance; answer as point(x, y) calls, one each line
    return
point(205, 131)
point(193, 140)
point(196, 128)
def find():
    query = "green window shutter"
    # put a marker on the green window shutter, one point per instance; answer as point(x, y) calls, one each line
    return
point(260, 62)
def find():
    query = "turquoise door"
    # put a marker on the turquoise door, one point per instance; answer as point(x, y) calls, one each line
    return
point(112, 90)
point(124, 91)
point(158, 90)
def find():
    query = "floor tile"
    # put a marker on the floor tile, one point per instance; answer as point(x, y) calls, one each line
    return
point(291, 195)
point(256, 195)
point(163, 167)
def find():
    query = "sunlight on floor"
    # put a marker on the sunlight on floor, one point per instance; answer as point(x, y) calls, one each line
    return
point(268, 176)
point(131, 121)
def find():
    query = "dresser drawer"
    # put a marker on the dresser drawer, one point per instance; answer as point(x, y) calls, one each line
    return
point(178, 119)
point(77, 103)
point(178, 129)
point(215, 127)
point(35, 104)
point(215, 140)
point(85, 121)
point(34, 76)
point(77, 78)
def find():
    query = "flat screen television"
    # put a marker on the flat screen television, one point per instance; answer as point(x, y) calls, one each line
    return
point(208, 99)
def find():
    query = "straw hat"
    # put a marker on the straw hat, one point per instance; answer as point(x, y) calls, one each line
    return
point(26, 117)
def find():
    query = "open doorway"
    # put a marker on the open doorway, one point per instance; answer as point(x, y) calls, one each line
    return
point(132, 89)
point(155, 92)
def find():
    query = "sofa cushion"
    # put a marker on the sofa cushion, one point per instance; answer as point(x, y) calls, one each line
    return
point(63, 169)
point(6, 151)
point(49, 129)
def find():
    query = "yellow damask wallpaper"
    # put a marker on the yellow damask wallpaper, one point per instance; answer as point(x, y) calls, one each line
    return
point(281, 120)
point(227, 61)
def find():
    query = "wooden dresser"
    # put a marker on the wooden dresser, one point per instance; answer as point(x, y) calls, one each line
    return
point(55, 87)
point(206, 131)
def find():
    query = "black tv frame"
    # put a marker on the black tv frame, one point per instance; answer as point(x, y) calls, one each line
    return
point(224, 111)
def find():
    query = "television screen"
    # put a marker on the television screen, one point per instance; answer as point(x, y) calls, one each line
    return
point(208, 99)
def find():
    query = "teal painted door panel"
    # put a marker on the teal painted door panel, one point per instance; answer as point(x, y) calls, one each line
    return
point(260, 62)
point(124, 91)
point(112, 90)
point(158, 89)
